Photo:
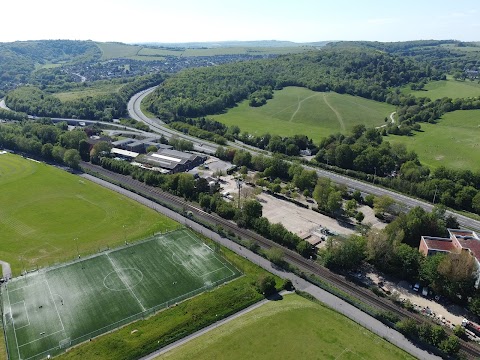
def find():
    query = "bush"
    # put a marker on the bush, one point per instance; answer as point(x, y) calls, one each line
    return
point(265, 284)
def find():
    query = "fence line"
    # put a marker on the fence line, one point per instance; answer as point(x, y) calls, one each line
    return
point(141, 315)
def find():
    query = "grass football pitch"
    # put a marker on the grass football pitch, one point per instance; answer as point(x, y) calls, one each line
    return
point(47, 311)
point(48, 215)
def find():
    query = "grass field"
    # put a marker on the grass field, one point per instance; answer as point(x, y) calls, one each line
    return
point(93, 91)
point(112, 50)
point(44, 209)
point(296, 110)
point(50, 310)
point(292, 328)
point(453, 142)
point(137, 52)
point(447, 88)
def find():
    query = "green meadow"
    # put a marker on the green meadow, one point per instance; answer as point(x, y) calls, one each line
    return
point(97, 89)
point(447, 88)
point(453, 142)
point(112, 50)
point(291, 328)
point(296, 110)
point(44, 209)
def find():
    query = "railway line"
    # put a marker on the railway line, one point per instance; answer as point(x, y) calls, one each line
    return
point(336, 280)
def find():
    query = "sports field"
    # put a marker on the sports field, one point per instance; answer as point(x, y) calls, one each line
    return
point(292, 328)
point(453, 142)
point(448, 88)
point(296, 110)
point(48, 215)
point(47, 311)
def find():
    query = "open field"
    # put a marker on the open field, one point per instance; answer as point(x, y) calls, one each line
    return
point(138, 52)
point(44, 209)
point(112, 50)
point(453, 142)
point(93, 91)
point(291, 328)
point(50, 310)
point(447, 88)
point(296, 110)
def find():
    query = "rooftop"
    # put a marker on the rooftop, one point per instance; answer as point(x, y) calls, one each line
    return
point(439, 244)
point(126, 153)
point(467, 240)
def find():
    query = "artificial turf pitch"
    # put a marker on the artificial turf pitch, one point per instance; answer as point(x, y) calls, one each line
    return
point(47, 311)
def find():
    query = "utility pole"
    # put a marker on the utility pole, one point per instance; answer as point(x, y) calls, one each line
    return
point(435, 194)
point(375, 174)
point(239, 185)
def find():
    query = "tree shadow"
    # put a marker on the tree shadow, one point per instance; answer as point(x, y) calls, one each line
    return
point(275, 297)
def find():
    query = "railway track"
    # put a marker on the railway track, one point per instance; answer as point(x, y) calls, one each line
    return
point(338, 281)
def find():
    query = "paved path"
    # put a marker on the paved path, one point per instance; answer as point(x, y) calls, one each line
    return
point(206, 329)
point(330, 300)
point(6, 270)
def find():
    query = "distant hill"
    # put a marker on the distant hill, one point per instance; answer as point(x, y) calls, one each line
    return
point(223, 44)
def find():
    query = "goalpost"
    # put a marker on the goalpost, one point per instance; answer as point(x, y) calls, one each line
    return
point(65, 343)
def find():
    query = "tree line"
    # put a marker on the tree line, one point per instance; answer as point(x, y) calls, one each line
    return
point(366, 73)
point(37, 102)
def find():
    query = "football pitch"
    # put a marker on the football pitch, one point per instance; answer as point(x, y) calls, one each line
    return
point(47, 311)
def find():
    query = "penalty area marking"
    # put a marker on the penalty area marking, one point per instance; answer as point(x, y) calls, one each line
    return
point(26, 313)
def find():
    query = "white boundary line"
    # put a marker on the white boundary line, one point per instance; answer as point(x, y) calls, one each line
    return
point(213, 253)
point(26, 313)
point(124, 283)
point(43, 336)
point(120, 321)
point(13, 323)
point(54, 303)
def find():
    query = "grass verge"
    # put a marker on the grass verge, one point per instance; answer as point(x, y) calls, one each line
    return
point(291, 328)
point(145, 336)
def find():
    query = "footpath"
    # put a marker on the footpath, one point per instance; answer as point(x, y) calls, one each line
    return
point(325, 297)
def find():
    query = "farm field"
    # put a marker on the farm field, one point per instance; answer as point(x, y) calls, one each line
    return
point(447, 88)
point(291, 328)
point(296, 110)
point(93, 91)
point(112, 50)
point(453, 142)
point(50, 310)
point(44, 209)
point(139, 52)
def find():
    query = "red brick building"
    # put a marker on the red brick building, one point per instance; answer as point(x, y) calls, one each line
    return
point(459, 240)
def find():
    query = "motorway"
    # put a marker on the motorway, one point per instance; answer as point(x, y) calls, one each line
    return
point(156, 125)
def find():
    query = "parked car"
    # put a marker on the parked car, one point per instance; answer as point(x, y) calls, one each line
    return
point(416, 287)
point(425, 291)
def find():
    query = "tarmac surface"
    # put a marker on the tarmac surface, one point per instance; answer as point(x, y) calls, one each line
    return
point(328, 299)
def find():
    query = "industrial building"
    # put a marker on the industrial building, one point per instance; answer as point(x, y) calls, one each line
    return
point(170, 161)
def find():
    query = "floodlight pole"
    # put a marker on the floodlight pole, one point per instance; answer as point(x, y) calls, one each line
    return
point(124, 234)
point(435, 194)
point(76, 244)
point(239, 185)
